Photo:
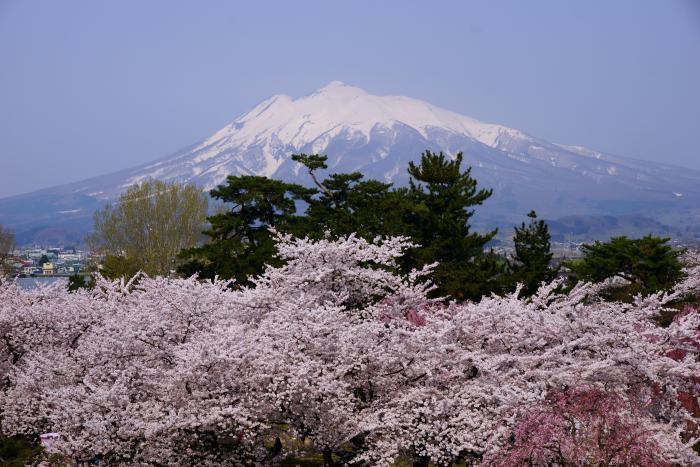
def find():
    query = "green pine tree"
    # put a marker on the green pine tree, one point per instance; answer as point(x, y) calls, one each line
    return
point(649, 264)
point(530, 264)
point(435, 212)
point(345, 203)
point(437, 216)
point(240, 243)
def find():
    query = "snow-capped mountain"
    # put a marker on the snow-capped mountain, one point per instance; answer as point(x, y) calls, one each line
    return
point(378, 136)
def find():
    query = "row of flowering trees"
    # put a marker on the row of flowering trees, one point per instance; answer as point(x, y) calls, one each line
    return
point(335, 352)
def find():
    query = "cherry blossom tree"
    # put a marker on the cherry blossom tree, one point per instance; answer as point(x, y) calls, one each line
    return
point(584, 427)
point(337, 352)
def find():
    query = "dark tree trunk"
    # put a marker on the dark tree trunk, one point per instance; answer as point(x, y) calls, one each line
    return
point(328, 458)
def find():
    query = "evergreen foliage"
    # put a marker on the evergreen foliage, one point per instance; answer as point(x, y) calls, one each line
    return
point(650, 264)
point(240, 244)
point(345, 204)
point(533, 255)
point(440, 201)
point(79, 281)
point(435, 212)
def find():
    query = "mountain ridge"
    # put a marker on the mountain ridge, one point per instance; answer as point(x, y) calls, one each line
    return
point(378, 136)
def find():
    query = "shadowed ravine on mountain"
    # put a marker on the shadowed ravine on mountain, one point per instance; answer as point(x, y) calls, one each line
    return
point(378, 136)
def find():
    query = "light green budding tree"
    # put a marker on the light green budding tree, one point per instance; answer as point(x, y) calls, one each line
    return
point(148, 226)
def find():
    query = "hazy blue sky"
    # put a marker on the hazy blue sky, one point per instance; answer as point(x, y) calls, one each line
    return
point(89, 87)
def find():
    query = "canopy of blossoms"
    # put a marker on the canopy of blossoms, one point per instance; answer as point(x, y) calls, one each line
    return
point(338, 351)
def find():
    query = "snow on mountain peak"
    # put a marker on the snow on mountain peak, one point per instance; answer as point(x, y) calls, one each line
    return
point(339, 87)
point(335, 84)
point(338, 107)
point(379, 135)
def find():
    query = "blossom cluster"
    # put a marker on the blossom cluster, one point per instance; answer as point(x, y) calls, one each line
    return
point(337, 350)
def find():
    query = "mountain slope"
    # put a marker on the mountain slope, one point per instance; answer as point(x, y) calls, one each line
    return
point(378, 136)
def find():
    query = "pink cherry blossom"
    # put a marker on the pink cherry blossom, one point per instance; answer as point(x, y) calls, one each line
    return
point(338, 352)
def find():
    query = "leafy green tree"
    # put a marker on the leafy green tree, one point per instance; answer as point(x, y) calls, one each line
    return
point(345, 203)
point(440, 201)
point(531, 263)
point(649, 263)
point(43, 260)
point(240, 243)
point(80, 281)
point(118, 266)
point(7, 244)
point(434, 211)
point(473, 279)
point(148, 226)
point(18, 452)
